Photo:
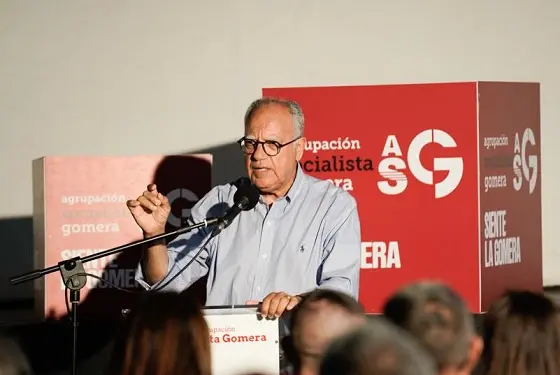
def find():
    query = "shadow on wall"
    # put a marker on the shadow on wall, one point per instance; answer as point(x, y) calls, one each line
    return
point(227, 163)
point(16, 255)
point(96, 335)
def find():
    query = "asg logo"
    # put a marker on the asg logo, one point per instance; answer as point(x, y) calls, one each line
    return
point(524, 166)
point(173, 196)
point(391, 167)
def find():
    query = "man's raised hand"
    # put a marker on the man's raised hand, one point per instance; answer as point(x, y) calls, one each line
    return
point(150, 211)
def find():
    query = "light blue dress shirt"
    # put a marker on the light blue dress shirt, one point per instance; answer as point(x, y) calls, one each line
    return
point(306, 240)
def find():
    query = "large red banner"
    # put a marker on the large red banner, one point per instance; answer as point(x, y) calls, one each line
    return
point(510, 188)
point(409, 155)
point(80, 209)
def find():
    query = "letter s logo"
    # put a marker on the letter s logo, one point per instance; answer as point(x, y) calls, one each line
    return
point(523, 165)
point(453, 165)
point(392, 165)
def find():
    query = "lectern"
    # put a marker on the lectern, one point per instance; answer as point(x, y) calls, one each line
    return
point(241, 341)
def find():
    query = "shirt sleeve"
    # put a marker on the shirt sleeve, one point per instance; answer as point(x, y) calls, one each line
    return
point(340, 269)
point(184, 247)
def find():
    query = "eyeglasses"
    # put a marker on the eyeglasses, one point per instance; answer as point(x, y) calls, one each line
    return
point(271, 148)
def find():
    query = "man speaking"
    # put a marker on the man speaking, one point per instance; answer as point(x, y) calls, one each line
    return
point(303, 232)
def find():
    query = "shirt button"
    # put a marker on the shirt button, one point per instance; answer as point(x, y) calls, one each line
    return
point(269, 223)
point(263, 256)
point(259, 288)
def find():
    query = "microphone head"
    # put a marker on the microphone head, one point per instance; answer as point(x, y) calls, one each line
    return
point(247, 196)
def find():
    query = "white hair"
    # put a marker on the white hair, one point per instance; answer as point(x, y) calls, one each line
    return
point(292, 106)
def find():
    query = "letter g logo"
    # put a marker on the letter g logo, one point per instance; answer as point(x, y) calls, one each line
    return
point(453, 165)
point(172, 196)
point(525, 165)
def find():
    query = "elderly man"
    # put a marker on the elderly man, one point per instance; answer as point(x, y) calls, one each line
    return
point(304, 232)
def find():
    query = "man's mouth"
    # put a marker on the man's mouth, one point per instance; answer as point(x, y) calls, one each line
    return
point(259, 168)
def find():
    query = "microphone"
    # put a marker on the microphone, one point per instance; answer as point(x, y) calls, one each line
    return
point(246, 198)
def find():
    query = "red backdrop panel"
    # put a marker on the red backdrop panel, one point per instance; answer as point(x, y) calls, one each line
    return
point(80, 209)
point(510, 188)
point(408, 154)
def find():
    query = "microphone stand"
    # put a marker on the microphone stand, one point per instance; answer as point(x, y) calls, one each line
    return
point(74, 276)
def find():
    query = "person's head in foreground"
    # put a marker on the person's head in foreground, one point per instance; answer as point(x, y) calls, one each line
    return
point(322, 316)
point(12, 359)
point(436, 316)
point(273, 144)
point(165, 334)
point(522, 333)
point(377, 348)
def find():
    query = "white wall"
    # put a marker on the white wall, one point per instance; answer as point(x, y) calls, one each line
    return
point(133, 76)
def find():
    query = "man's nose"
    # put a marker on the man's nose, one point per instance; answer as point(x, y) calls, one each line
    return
point(259, 153)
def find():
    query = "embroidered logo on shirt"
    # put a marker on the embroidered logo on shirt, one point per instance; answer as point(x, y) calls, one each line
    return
point(301, 249)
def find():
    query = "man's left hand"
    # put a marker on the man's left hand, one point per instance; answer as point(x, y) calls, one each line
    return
point(276, 303)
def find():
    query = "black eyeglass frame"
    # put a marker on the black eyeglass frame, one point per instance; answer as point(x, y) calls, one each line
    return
point(256, 143)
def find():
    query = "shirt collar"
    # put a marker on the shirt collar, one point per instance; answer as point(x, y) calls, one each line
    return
point(299, 181)
point(296, 186)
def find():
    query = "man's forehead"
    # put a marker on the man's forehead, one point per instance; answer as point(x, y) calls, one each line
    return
point(314, 342)
point(271, 109)
point(269, 132)
point(321, 313)
point(270, 119)
point(312, 336)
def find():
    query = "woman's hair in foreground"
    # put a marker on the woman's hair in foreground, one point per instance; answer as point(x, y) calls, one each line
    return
point(438, 317)
point(12, 359)
point(522, 335)
point(166, 334)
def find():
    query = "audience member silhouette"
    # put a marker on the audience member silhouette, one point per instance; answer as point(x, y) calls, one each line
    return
point(438, 317)
point(322, 316)
point(522, 334)
point(377, 348)
point(12, 359)
point(166, 334)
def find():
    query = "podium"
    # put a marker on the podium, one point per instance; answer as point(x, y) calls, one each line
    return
point(241, 341)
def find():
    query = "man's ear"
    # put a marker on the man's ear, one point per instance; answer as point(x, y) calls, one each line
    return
point(475, 351)
point(287, 343)
point(300, 148)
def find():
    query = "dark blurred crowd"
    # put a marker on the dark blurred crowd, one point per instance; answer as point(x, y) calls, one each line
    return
point(425, 329)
